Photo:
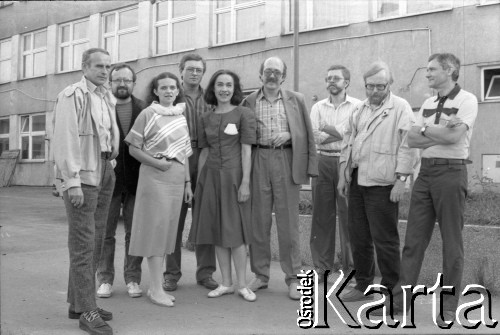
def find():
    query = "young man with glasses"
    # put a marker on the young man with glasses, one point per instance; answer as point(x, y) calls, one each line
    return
point(329, 118)
point(375, 162)
point(122, 79)
point(283, 159)
point(192, 68)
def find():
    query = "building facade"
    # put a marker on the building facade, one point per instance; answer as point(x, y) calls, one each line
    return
point(41, 43)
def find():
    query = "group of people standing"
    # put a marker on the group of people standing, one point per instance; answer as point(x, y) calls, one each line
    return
point(235, 160)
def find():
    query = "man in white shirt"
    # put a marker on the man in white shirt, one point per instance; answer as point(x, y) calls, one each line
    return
point(329, 118)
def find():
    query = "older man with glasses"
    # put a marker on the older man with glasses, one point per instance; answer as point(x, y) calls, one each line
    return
point(375, 162)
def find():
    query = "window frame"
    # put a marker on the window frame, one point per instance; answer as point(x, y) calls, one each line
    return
point(71, 44)
point(403, 10)
point(233, 9)
point(9, 60)
point(6, 135)
point(486, 87)
point(32, 52)
point(30, 134)
point(288, 28)
point(116, 33)
point(488, 2)
point(169, 22)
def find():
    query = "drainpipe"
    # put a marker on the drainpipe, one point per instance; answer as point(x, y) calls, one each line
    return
point(296, 46)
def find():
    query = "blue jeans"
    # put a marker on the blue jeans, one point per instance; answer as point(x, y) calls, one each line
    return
point(86, 227)
point(373, 220)
point(131, 264)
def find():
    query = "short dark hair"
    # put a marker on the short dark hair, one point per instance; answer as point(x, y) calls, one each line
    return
point(345, 71)
point(86, 54)
point(120, 66)
point(154, 86)
point(191, 56)
point(447, 60)
point(237, 94)
point(261, 71)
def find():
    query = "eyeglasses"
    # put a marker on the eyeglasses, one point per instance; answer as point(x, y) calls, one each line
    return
point(118, 81)
point(380, 87)
point(333, 79)
point(269, 72)
point(194, 70)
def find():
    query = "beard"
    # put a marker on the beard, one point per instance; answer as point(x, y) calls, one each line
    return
point(121, 93)
point(334, 90)
point(377, 98)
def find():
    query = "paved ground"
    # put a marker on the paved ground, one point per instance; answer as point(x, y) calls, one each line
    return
point(34, 270)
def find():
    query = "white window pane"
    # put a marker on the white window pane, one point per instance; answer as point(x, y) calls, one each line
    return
point(65, 59)
point(109, 23)
point(40, 40)
point(387, 8)
point(327, 13)
point(4, 126)
point(25, 124)
point(223, 3)
point(5, 50)
point(80, 30)
point(426, 5)
point(243, 1)
point(127, 47)
point(28, 66)
point(182, 8)
point(183, 38)
point(40, 64)
point(5, 71)
point(494, 88)
point(38, 122)
point(161, 11)
point(108, 44)
point(78, 50)
point(249, 23)
point(65, 34)
point(4, 144)
point(27, 42)
point(38, 147)
point(128, 19)
point(161, 39)
point(223, 28)
point(25, 144)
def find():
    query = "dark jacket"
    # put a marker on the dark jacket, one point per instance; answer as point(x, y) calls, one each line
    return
point(127, 167)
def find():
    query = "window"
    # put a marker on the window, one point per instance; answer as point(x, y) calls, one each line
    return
point(6, 3)
point(5, 54)
point(34, 46)
point(173, 26)
point(489, 2)
point(238, 20)
point(4, 134)
point(33, 137)
point(491, 83)
point(316, 14)
point(394, 8)
point(73, 41)
point(121, 33)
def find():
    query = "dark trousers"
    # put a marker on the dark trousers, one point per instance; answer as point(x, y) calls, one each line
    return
point(438, 194)
point(131, 264)
point(373, 220)
point(86, 229)
point(205, 253)
point(327, 203)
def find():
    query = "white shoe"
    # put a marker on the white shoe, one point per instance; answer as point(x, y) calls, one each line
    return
point(134, 291)
point(221, 290)
point(247, 294)
point(104, 291)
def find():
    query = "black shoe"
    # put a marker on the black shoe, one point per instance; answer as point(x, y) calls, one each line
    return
point(447, 316)
point(354, 295)
point(209, 283)
point(95, 327)
point(397, 310)
point(105, 315)
point(169, 284)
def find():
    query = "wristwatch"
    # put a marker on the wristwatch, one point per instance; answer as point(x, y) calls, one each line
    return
point(422, 130)
point(402, 177)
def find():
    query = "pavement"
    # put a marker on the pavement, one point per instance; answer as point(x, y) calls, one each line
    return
point(34, 270)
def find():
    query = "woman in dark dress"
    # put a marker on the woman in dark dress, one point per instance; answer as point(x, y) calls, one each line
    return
point(222, 213)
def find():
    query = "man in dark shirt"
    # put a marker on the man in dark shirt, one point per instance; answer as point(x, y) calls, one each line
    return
point(122, 80)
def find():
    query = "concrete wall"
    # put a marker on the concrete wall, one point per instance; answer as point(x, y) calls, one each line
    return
point(405, 43)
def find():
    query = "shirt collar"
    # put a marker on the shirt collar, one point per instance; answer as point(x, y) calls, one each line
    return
point(261, 95)
point(453, 93)
point(95, 89)
point(348, 99)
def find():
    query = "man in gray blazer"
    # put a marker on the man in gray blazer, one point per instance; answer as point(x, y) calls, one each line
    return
point(283, 159)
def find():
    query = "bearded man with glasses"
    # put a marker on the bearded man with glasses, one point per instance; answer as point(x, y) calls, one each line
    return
point(374, 164)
